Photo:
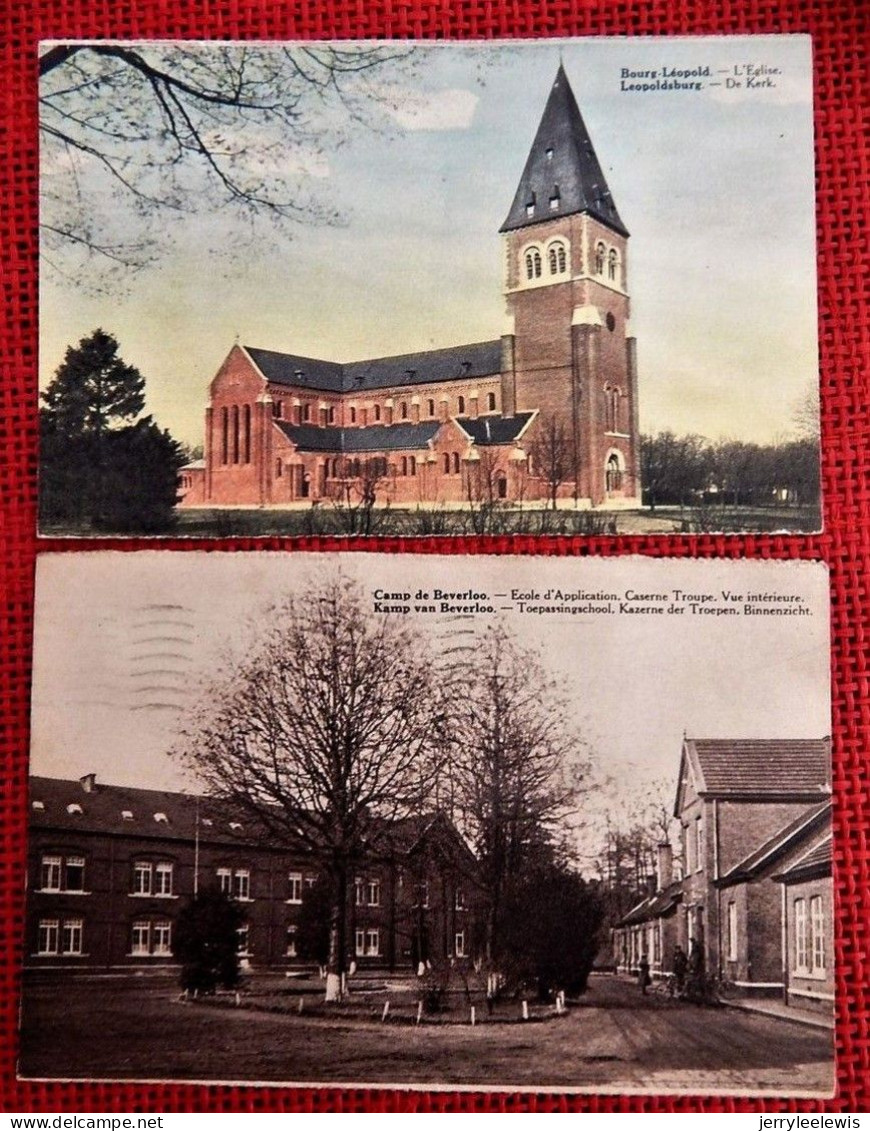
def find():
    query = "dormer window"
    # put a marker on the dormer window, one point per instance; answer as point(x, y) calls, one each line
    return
point(161, 818)
point(235, 825)
point(126, 814)
point(38, 805)
point(555, 199)
point(549, 152)
point(74, 808)
point(530, 206)
point(208, 822)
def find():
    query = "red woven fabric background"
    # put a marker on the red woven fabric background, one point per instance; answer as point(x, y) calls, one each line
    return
point(840, 31)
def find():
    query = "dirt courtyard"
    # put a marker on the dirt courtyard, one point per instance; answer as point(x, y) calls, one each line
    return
point(613, 1041)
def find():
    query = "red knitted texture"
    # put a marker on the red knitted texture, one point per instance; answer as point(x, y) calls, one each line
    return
point(840, 33)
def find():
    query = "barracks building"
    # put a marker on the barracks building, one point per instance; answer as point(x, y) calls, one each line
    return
point(109, 868)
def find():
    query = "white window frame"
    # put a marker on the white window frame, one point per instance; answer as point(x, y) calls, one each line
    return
point(732, 931)
point(74, 862)
point(48, 939)
point(243, 937)
point(459, 903)
point(294, 887)
point(161, 937)
point(359, 940)
point(242, 885)
point(459, 944)
point(290, 946)
point(800, 936)
point(699, 844)
point(142, 877)
point(162, 878)
point(373, 942)
point(225, 880)
point(359, 891)
point(140, 938)
point(816, 948)
point(51, 870)
point(72, 931)
point(373, 893)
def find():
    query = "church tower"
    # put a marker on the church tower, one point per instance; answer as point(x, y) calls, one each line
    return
point(567, 349)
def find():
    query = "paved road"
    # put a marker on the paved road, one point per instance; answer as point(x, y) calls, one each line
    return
point(615, 1041)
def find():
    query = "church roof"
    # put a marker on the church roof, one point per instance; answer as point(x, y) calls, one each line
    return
point(486, 430)
point(374, 438)
point(562, 174)
point(477, 359)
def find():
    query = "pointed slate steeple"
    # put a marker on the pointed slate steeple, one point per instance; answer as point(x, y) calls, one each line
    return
point(562, 174)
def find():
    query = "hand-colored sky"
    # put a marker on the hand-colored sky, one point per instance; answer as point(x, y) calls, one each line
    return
point(117, 668)
point(716, 188)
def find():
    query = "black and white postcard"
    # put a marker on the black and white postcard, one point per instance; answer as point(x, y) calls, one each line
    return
point(433, 822)
point(393, 288)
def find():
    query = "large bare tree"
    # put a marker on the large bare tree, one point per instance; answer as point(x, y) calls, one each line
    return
point(518, 767)
point(552, 452)
point(326, 732)
point(134, 135)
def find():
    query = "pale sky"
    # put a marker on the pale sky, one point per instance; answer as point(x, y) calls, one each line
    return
point(715, 186)
point(116, 668)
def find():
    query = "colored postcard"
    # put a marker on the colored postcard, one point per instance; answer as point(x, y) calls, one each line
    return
point(403, 288)
point(431, 822)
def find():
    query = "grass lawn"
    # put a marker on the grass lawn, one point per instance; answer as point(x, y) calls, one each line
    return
point(325, 520)
point(615, 1041)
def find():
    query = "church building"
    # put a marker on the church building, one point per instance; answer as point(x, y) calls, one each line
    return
point(548, 410)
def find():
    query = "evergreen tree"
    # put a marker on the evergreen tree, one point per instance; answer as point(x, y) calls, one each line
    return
point(99, 466)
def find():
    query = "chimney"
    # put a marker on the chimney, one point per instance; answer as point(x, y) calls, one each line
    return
point(665, 857)
point(88, 783)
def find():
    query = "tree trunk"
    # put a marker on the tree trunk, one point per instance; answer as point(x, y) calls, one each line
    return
point(335, 969)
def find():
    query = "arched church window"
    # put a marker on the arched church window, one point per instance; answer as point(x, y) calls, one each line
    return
point(456, 463)
point(461, 404)
point(235, 433)
point(447, 463)
point(612, 263)
point(533, 263)
point(600, 251)
point(225, 435)
point(557, 258)
point(490, 401)
point(613, 474)
point(377, 412)
point(247, 433)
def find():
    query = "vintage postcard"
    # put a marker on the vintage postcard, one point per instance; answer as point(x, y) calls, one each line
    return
point(406, 288)
point(431, 822)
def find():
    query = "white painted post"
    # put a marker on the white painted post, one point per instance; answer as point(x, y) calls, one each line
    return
point(473, 1016)
point(301, 1004)
point(238, 999)
point(419, 1012)
point(386, 1011)
point(525, 1010)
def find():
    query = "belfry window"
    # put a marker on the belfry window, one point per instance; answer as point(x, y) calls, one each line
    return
point(557, 258)
point(600, 252)
point(612, 264)
point(533, 263)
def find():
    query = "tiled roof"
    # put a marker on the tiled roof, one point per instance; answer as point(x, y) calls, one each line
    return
point(485, 430)
point(478, 359)
point(817, 862)
point(67, 805)
point(374, 438)
point(562, 174)
point(766, 767)
point(654, 906)
point(786, 840)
